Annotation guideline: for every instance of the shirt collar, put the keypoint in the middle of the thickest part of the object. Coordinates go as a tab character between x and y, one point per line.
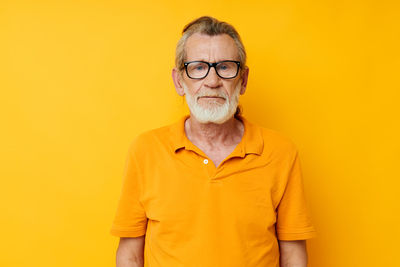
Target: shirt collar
252	141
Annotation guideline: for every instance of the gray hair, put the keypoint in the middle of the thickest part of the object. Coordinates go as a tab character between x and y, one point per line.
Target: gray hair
209	26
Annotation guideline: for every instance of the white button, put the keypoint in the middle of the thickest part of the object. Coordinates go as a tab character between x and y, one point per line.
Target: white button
205	161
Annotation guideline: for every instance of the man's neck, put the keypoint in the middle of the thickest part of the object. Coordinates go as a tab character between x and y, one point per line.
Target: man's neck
210	134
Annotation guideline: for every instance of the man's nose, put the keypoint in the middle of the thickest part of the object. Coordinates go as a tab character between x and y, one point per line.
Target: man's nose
212	80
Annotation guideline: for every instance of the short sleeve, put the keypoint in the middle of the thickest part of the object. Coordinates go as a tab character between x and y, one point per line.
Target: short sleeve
130	219
293	218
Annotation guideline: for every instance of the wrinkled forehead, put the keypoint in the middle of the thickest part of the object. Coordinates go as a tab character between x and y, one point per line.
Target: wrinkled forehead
211	48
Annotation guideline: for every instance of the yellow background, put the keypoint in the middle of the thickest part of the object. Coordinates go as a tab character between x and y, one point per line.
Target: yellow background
80	79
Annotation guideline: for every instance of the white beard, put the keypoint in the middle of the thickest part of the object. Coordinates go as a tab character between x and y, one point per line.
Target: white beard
214	112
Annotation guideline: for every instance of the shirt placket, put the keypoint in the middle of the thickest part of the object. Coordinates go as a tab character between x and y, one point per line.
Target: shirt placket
212	171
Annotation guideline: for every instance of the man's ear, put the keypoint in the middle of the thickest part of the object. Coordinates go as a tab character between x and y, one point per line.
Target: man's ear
245	76
177	78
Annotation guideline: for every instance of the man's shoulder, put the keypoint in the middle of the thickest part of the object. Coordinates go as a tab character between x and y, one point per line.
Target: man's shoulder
153	139
275	140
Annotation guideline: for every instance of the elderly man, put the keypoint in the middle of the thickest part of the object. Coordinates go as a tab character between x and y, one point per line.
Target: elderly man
212	189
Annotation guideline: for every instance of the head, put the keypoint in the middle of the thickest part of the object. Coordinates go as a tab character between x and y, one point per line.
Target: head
212	98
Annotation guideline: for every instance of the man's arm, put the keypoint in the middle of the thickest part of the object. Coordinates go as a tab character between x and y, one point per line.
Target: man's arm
130	252
293	253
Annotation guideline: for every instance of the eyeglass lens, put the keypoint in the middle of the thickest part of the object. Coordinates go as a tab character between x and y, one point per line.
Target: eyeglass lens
200	69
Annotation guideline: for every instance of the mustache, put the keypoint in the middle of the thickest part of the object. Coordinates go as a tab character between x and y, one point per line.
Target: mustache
211	94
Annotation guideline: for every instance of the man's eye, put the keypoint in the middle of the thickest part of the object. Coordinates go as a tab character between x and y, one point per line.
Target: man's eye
223	67
199	67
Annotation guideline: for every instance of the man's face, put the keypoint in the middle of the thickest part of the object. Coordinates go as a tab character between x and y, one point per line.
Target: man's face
211	99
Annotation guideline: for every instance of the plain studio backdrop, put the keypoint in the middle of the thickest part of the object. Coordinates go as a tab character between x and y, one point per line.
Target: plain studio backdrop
80	79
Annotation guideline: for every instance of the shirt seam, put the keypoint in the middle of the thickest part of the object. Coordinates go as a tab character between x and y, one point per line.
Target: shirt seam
306	230
140	181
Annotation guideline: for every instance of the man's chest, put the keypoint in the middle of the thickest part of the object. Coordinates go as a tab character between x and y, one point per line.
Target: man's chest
188	194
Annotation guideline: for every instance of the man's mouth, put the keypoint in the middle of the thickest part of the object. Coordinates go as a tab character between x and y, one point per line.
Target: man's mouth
211	97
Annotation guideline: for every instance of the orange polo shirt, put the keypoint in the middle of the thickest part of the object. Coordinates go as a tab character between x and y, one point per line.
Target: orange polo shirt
197	215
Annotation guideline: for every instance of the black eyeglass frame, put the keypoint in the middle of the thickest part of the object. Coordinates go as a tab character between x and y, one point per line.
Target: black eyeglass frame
212	65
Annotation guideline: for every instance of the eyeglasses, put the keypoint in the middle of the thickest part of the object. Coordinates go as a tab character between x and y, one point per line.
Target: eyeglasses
226	69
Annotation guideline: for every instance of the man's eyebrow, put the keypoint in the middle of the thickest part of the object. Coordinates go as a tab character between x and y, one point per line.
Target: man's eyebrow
234	59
